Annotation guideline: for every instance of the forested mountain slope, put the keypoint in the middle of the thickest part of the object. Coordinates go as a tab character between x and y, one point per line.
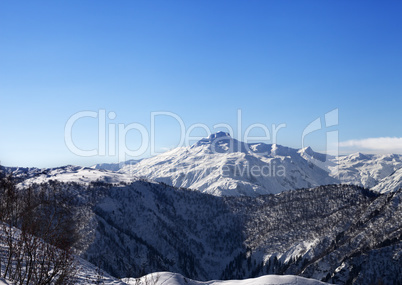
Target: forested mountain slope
335	233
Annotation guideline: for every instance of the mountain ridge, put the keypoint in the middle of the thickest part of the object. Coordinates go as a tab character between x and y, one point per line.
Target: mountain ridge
223	166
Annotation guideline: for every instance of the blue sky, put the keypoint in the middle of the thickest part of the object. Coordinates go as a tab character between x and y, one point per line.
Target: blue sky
279	62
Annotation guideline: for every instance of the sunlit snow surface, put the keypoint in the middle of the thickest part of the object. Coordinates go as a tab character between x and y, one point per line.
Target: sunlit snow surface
177	279
168	278
222	166
379	172
77	174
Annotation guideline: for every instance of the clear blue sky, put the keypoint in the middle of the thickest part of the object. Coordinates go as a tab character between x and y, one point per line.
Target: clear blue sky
278	61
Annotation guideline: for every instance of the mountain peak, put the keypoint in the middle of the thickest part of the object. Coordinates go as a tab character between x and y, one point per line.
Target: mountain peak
359	156
213	138
218	135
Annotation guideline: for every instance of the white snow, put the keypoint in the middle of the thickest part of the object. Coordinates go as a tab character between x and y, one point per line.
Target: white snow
222	166
366	170
304	248
77	174
4	282
390	183
164	278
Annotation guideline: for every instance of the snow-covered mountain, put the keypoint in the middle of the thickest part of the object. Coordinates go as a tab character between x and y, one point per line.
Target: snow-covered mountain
390	183
223	166
367	170
69	173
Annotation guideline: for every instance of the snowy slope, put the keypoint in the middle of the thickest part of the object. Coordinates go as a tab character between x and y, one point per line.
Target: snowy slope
390	183
76	174
366	170
86	273
177	279
4	282
222	166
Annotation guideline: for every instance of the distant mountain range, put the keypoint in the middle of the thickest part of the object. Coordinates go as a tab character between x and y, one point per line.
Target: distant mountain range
115	166
223	166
